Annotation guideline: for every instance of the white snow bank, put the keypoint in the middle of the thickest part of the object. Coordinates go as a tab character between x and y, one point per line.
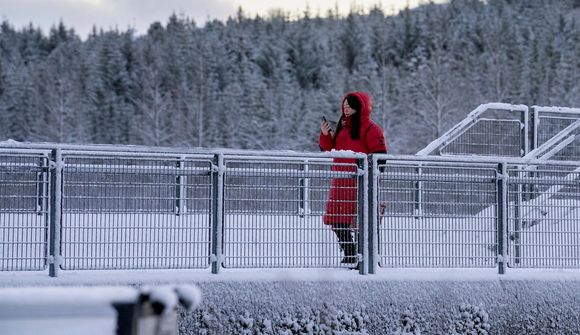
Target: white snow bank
66	295
176	277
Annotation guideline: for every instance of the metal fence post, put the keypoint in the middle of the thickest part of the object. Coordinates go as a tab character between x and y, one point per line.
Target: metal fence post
372	214
418	210
217	209
41	187
304	185
180	192
517	215
363	202
524	133
56	187
535	125
502	217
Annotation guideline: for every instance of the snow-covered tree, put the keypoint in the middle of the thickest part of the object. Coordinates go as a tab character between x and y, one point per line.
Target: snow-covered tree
264	83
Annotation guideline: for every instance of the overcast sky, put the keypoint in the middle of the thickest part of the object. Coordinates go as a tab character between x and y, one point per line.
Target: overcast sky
139	14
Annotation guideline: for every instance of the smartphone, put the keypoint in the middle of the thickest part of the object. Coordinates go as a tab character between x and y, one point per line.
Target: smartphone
325	120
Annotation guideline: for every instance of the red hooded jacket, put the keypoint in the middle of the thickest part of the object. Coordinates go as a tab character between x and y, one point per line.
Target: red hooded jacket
342	202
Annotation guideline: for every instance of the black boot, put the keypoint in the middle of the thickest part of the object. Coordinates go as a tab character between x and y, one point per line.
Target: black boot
346	242
349	253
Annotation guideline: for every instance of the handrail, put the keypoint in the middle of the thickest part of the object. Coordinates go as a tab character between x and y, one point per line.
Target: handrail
463	126
556	143
110	149
536	110
556	109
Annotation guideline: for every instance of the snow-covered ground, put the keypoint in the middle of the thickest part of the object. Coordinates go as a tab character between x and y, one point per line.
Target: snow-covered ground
548	238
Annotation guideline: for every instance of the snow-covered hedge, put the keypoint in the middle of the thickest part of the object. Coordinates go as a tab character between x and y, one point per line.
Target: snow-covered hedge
386	307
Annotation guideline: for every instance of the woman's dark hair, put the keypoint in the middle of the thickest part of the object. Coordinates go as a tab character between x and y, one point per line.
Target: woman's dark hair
355	104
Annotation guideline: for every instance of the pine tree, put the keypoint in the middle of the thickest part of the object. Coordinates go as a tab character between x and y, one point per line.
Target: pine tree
3	97
22	104
110	91
57	84
264	83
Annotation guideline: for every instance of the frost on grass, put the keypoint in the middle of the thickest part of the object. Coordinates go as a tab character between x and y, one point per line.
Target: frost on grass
247	324
472	320
327	320
407	324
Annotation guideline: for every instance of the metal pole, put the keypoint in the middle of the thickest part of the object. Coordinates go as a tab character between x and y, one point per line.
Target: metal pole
518	216
373	218
217	208
418	212
363	230
502	217
180	194
304	185
41	187
535	124
54	256
524	133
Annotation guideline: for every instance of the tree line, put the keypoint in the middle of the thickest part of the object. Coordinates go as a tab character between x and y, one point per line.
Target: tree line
264	82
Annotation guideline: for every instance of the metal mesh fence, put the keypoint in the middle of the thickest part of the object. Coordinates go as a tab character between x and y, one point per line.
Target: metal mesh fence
136	213
274	213
437	216
544	217
570	152
550	125
155	211
23	212
488	137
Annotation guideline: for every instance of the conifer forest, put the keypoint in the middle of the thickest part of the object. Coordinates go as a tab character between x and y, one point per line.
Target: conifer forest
265	82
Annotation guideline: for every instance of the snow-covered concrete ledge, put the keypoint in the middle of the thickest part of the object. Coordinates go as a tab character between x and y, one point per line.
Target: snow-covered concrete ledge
394	301
139	277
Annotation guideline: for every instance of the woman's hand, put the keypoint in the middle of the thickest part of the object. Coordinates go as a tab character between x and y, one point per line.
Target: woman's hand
325	128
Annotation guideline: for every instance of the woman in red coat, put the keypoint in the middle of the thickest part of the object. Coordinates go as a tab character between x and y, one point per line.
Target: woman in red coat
355	131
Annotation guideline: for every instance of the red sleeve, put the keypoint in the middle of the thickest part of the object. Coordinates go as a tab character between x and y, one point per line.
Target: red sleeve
375	140
325	142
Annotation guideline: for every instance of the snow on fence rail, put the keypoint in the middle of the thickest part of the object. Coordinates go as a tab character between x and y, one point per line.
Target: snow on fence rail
95	210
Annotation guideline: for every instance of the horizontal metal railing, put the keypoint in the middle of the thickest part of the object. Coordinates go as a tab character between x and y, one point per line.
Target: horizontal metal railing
492	129
74	209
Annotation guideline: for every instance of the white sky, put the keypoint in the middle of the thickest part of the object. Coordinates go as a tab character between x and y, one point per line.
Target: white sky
139	14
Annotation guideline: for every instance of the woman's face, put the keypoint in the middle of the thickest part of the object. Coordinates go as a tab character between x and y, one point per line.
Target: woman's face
348	111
